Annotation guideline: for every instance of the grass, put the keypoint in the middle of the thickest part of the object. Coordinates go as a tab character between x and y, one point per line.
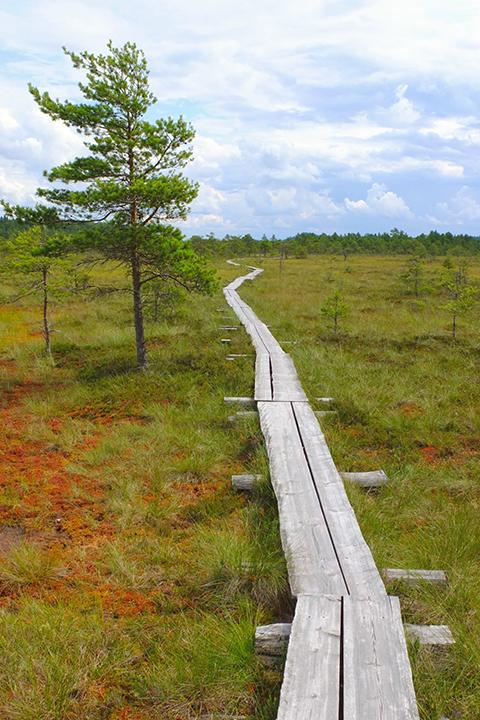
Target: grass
131	575
407	398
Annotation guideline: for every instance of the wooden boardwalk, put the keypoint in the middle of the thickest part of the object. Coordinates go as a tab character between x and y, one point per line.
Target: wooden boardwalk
347	656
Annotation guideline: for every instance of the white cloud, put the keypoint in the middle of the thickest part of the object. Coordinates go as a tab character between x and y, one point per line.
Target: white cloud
403	110
290	101
380	201
464	129
463	206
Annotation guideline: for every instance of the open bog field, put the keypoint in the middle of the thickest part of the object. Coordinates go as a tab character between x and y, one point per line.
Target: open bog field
131	575
407	399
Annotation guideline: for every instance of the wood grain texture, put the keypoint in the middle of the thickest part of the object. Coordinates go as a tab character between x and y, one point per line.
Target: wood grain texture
377	678
311	559
245	482
263	379
354	555
416	577
285	381
371	479
311	680
430	634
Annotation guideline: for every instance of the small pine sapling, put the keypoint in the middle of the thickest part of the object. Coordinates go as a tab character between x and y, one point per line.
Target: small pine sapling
413	276
334	309
462	294
39	265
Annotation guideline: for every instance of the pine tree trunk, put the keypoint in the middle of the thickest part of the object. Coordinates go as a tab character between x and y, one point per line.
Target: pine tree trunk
46	323
138	313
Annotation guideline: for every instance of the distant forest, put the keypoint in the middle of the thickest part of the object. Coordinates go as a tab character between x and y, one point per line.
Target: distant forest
395	242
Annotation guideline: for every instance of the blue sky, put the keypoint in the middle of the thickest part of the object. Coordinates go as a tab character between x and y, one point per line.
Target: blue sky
322	115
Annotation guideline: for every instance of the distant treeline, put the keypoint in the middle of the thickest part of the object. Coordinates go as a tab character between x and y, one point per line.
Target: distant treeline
395	242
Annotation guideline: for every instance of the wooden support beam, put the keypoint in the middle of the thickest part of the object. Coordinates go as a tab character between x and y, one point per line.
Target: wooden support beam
240	401
245	482
271	643
372	479
430	634
242	415
416	577
219	716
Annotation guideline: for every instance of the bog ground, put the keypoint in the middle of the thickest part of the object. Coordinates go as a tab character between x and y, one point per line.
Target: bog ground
132	576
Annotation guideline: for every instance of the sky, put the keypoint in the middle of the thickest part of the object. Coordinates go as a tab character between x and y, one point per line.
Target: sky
313	115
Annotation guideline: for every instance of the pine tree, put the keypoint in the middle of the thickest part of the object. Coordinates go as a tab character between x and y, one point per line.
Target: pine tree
130	184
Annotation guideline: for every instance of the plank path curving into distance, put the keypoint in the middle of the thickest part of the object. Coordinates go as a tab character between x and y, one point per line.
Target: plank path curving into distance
347	656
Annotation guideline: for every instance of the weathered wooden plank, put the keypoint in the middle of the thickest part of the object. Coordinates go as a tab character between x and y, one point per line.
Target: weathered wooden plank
372	479
233	356
416	577
242	400
228	327
354	556
285	381
377	679
325	399
242	415
311	678
312	562
325	413
271	642
245	482
225	341
263	380
430	634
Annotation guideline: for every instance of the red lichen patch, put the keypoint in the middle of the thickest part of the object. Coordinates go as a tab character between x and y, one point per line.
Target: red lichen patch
430	454
106	414
191	493
409	408
121	602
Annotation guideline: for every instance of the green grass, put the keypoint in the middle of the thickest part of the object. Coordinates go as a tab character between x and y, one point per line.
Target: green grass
407	398
132	576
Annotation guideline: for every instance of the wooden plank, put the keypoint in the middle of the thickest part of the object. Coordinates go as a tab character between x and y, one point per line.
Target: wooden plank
263	382
354	555
313	565
377	679
225	341
245	482
416	577
242	400
228	327
310	688
372	479
243	415
285	381
271	642
430	634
